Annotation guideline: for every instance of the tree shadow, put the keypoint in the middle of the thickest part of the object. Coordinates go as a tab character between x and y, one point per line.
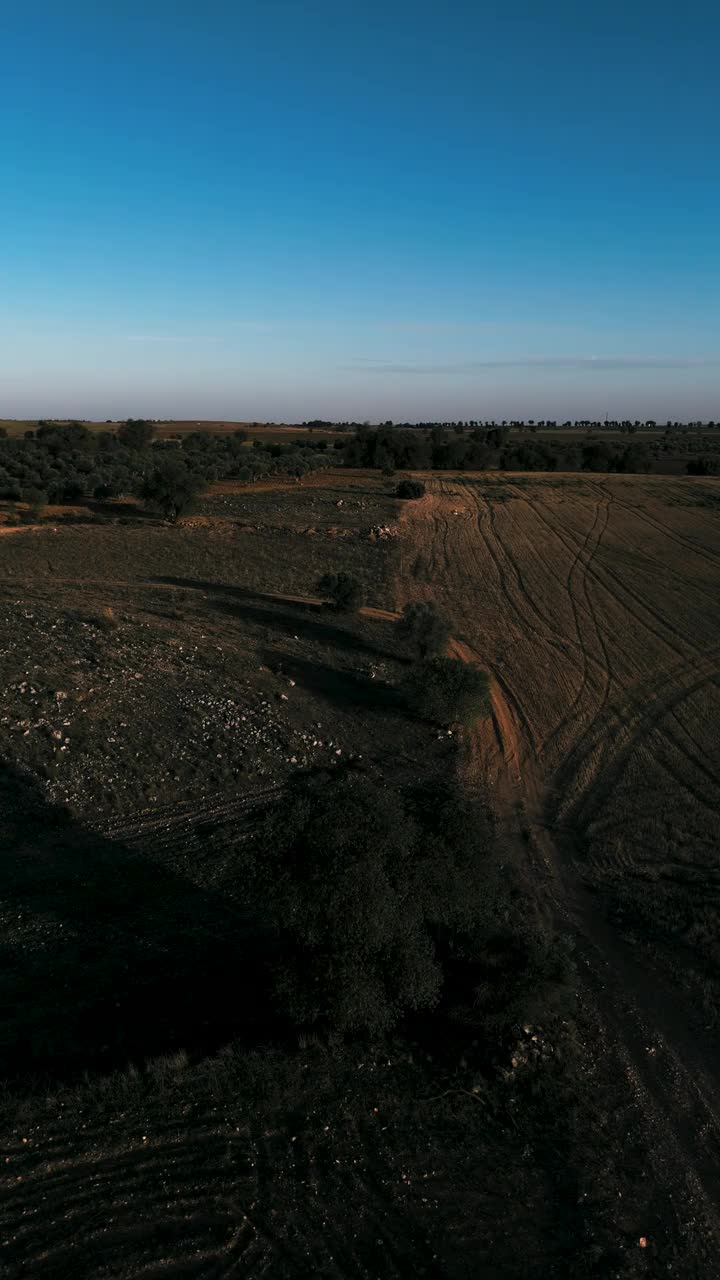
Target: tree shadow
114	509
306	619
109	957
346	689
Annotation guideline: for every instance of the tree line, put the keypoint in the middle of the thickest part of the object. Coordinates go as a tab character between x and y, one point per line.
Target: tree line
388	448
67	462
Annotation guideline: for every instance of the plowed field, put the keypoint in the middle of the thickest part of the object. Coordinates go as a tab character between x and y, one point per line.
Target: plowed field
594	604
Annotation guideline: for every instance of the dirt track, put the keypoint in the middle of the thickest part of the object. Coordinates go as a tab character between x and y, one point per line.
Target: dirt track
594	605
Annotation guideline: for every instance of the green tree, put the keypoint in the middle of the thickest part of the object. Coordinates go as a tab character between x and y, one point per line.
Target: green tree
447	691
171	488
344	592
423	630
36	499
136	433
361	884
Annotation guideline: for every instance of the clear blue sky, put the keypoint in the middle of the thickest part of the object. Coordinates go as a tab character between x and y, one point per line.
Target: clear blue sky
276	209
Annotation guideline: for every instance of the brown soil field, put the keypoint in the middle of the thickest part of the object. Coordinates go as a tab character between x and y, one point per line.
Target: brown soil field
593	602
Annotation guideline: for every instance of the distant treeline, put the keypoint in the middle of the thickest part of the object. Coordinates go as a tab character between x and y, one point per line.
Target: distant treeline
67	462
389	448
623	425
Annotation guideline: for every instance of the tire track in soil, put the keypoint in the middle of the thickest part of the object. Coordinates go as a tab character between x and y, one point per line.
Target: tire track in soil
511	602
671	534
588	549
665	530
135	1202
646	722
644	704
601	572
671	1074
465	650
658	617
602	663
424	521
141	1204
688	755
507	571
187	814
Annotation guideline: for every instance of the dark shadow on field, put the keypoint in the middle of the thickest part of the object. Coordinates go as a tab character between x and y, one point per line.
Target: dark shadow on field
117	510
108	957
307	620
101	511
346	689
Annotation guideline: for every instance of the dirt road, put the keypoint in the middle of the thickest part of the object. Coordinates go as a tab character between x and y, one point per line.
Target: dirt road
594	605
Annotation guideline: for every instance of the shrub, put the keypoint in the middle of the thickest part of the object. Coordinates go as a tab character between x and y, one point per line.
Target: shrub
136	433
703	466
103	620
423	630
171	488
360	883
344	592
447	691
72	490
410	489
36	500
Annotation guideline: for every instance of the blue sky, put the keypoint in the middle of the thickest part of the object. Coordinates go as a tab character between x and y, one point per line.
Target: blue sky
281	209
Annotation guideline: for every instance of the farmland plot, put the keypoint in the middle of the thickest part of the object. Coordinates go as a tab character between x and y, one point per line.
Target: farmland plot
594	604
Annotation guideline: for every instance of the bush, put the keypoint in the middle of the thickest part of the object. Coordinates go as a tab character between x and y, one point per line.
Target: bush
360	883
136	433
702	467
447	691
171	489
36	500
344	592
423	630
72	491
410	489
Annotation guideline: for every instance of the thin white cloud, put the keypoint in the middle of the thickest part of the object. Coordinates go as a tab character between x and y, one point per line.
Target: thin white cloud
433	326
588	363
171	338
442	326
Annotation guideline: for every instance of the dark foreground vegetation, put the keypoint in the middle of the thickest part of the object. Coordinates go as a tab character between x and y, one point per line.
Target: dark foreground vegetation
393	1018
